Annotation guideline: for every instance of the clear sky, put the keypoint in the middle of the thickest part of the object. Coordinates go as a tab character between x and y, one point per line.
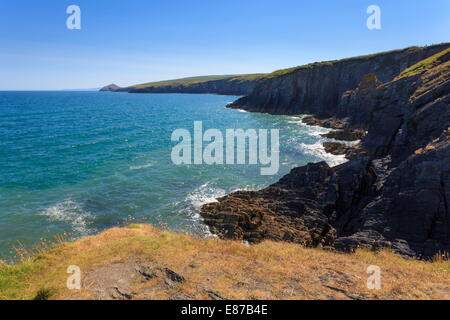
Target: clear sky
135	41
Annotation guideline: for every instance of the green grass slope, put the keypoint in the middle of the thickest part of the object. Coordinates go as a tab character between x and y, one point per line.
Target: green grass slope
283	72
195	80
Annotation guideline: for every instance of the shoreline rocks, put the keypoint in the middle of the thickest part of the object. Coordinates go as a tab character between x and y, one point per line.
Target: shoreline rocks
289	210
395	190
331	123
337	148
318	88
345	135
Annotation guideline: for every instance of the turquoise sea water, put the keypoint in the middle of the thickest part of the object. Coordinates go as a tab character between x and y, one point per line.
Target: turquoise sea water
80	162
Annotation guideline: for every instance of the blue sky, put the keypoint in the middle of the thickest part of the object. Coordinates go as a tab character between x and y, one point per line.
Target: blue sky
129	42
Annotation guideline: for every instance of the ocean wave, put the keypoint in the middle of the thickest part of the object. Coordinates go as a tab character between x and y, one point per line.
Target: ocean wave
147	165
200	196
189	209
71	213
193	202
317	150
347	143
203	195
206	194
295	120
315	131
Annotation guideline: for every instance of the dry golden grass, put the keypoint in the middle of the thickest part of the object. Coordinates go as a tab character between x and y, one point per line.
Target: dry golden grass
269	270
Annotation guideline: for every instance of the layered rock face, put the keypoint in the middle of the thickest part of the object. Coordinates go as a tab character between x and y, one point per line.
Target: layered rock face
394	193
226	85
293	209
235	87
112	87
317	88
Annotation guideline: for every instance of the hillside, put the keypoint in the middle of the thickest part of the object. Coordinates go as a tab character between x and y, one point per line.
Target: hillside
392	196
393	193
273	93
216	84
317	88
142	262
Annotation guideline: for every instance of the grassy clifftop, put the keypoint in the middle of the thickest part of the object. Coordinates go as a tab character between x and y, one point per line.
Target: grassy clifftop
243	84
244	77
196	80
283	72
142	262
426	64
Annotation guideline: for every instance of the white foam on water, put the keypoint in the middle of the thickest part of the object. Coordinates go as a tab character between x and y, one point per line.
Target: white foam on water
203	195
295	120
347	143
147	165
318	150
71	213
196	199
315	131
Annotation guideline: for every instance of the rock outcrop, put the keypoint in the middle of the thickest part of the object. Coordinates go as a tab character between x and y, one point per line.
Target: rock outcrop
317	88
112	87
293	209
337	148
394	193
345	135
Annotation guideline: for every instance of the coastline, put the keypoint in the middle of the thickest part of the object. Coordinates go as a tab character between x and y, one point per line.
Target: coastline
225	160
403	123
77	214
370	160
317	150
333	217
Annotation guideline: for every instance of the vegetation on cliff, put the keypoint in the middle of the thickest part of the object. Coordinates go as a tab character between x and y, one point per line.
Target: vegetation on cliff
243	84
283	72
188	81
142	262
426	64
394	194
389	195
207	82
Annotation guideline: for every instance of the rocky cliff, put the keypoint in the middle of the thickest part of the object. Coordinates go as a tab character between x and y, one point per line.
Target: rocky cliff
394	193
317	88
237	85
234	86
112	87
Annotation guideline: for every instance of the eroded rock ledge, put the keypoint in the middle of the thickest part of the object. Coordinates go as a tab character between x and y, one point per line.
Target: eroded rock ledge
345	135
293	209
394	193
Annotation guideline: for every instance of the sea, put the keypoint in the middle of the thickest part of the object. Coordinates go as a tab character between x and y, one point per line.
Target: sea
75	163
